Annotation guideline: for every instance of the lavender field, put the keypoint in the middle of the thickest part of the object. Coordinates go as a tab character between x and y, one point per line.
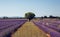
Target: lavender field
9	26
50	26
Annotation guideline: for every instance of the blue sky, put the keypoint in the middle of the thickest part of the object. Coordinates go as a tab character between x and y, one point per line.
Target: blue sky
18	8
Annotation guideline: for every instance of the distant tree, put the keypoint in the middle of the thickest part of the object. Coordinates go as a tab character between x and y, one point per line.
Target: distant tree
45	16
54	17
50	16
41	17
5	17
58	17
29	15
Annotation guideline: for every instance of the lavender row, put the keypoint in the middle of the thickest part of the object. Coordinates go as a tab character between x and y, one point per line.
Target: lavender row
10	24
11	28
51	25
48	30
3	23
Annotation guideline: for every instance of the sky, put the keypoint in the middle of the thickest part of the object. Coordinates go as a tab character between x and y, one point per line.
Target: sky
17	8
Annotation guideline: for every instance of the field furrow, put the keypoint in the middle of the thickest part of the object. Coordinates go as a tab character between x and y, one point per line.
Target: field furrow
29	30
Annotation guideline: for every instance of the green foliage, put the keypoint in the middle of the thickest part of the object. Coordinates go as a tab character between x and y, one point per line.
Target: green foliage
45	16
5	17
29	15
50	16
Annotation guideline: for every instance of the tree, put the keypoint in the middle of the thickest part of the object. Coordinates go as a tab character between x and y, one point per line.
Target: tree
45	16
5	17
41	17
29	15
50	16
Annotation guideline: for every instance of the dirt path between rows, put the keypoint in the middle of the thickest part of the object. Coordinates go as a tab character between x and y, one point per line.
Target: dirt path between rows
29	30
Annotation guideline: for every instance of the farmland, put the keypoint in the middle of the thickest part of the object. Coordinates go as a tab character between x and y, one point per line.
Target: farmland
51	27
29	30
29	18
34	28
8	26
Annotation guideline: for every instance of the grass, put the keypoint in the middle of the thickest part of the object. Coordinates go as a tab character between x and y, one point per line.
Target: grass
29	30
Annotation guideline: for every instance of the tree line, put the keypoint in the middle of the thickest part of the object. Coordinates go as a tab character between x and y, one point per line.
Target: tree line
29	15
